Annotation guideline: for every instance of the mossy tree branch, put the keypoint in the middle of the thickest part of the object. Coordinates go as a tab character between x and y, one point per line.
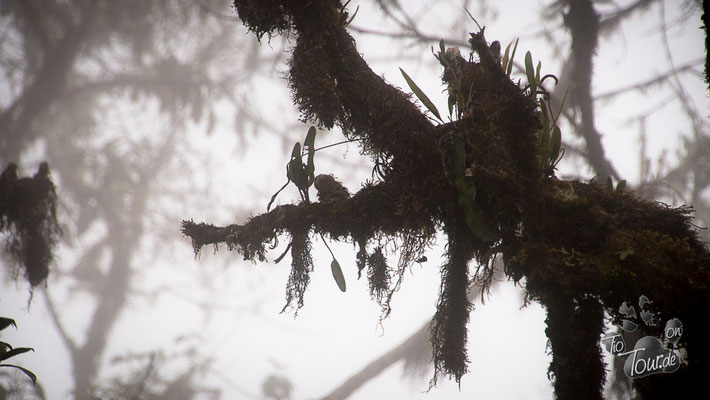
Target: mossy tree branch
565	238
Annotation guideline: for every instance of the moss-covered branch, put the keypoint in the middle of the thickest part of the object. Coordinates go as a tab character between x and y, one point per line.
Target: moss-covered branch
373	209
330	80
580	247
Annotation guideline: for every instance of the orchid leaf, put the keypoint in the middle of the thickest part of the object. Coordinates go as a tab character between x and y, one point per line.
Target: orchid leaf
421	96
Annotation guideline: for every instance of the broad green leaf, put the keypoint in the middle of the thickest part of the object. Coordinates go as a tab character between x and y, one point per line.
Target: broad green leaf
530	72
14	352
25	370
621	186
555	143
512	57
338	274
421	96
5	322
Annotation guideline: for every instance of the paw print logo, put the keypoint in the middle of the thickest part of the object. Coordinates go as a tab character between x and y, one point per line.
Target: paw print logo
649	355
628	312
648	317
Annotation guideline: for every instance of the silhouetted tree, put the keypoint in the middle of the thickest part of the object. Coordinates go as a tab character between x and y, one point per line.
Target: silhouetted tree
486	179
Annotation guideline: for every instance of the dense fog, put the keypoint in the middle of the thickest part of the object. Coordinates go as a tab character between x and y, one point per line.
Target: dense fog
149	113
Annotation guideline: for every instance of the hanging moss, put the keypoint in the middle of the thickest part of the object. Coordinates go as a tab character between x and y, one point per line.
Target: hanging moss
28	215
301	267
448	327
378	275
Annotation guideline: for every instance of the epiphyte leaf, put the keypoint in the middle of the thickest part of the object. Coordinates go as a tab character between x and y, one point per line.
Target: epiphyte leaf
421	96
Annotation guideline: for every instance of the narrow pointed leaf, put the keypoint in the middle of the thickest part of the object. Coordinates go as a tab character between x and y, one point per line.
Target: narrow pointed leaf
512	57
506	54
609	184
530	71
421	96
338	274
537	72
25	370
469	99
5	322
14	352
473	19
460	102
309	143
353	17
562	105
268	206
621	186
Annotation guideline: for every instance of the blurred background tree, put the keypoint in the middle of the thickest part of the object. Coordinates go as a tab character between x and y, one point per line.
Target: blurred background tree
113	95
141	107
